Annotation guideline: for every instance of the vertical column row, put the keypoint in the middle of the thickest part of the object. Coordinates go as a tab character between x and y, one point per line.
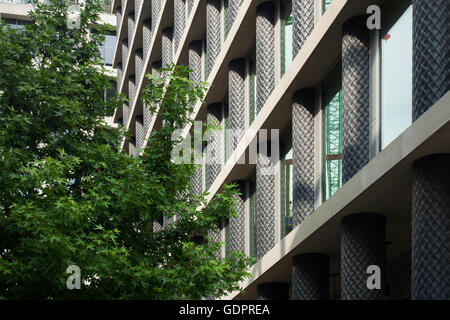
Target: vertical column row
212	33
430	236
179	21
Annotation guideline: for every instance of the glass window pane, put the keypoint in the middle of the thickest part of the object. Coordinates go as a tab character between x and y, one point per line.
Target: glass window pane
396	74
285	35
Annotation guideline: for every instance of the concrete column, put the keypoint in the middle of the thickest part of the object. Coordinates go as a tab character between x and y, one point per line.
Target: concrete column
124	53
195	64
355	96
362	245
311	277
139	63
265	203
431	53
131	25
265	52
212	33
140	134
118	18
131	88
137	7
214	144
179	21
272	291
233	10
236	103
303	154
236	226
147	37
195	61
302	23
119	75
156	7
125	112
167	49
430	235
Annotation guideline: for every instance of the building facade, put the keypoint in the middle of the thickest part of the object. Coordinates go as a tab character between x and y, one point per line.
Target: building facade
344	127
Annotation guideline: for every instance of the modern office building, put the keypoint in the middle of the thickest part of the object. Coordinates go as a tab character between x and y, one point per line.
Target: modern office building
15	14
351	197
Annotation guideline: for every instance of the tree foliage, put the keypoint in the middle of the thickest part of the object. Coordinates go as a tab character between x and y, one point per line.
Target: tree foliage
68	197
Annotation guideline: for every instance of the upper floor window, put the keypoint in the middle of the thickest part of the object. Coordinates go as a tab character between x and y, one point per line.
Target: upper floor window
108	47
285	34
332	131
15	23
396	78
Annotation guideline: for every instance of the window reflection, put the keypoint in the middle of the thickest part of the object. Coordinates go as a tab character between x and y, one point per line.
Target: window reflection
396	74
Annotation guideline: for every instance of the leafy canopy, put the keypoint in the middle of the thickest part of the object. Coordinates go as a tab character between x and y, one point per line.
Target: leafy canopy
68	197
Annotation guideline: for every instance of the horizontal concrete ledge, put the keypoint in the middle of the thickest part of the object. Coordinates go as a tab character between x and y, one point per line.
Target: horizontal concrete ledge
384	185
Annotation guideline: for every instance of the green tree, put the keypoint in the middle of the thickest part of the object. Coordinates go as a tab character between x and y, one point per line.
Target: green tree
68	197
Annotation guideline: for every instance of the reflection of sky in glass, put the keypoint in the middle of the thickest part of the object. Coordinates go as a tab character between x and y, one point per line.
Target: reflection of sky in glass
396	84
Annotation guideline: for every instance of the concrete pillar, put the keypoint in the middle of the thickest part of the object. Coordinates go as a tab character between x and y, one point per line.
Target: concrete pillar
124	53
265	203
265	52
303	154
195	61
137	7
119	75
167	49
236	226
311	277
146	37
430	235
195	64
131	89
118	18
179	21
302	23
156	7
362	245
272	291
139	63
125	112
131	25
431	53
212	33
139	131
233	10
214	144
355	96
236	103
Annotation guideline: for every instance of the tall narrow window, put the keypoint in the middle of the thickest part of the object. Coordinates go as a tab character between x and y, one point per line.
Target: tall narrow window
396	75
332	125
226	17
286	172
252	214
252	85
285	34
